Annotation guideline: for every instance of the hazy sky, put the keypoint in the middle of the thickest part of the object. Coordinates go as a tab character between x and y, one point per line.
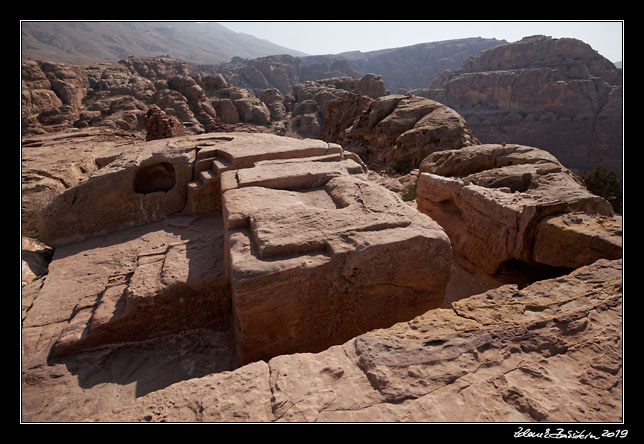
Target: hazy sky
332	37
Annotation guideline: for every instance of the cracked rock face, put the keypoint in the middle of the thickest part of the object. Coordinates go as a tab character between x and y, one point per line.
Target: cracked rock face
559	94
270	245
245	277
549	352
507	205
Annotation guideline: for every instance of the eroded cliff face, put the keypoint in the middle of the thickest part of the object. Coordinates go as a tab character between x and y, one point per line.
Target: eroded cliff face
231	276
556	94
514	214
235	276
128	95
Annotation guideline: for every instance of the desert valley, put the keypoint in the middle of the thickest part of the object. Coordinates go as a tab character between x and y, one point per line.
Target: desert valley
430	233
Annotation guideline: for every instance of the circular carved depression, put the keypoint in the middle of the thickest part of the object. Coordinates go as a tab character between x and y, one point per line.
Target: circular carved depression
153	178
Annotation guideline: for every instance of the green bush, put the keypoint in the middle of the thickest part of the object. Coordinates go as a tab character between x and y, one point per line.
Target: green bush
408	194
604	183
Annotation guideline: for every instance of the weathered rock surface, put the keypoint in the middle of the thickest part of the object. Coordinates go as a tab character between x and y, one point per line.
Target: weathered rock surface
317	265
407	67
401	130
35	257
120	95
507	205
133	285
555	94
272	245
291	211
58	97
551	352
346	97
158	125
54	162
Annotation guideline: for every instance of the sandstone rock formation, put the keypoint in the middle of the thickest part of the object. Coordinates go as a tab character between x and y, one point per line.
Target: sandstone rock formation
407	67
54	162
346	96
35	257
414	66
158	125
551	352
119	94
206	271
555	94
313	268
511	207
191	278
272	245
399	131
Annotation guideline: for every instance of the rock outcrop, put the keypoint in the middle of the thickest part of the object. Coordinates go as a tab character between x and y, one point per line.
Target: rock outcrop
415	66
272	245
313	268
244	277
121	95
59	97
35	257
228	259
398	131
511	211
555	94
54	162
551	352
406	67
347	97
158	125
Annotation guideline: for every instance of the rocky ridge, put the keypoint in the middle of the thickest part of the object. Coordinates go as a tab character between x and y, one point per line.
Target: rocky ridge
407	67
86	42
258	257
556	94
211	264
499	356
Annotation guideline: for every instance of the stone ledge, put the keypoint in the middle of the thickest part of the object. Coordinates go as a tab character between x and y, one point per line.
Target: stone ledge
549	352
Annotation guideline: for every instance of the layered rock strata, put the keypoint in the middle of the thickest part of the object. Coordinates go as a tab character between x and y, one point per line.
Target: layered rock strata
555	94
399	131
505	206
282	245
283	238
551	352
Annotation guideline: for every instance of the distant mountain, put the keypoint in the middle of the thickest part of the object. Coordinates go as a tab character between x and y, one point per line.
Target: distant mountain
85	42
558	94
414	66
408	67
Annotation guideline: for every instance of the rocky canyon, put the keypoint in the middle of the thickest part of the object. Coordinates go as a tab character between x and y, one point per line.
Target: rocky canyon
558	94
199	249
